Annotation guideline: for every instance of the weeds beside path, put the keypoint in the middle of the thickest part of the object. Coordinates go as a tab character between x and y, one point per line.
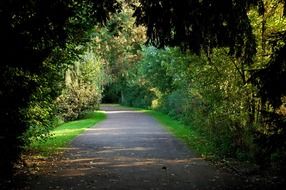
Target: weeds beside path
130	150
62	135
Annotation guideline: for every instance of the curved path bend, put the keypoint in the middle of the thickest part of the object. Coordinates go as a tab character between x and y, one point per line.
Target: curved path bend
131	150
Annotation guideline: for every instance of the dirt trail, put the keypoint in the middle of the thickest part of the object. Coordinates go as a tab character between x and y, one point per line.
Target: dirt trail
130	150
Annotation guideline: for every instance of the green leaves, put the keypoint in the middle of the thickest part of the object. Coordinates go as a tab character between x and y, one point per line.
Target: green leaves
84	86
199	25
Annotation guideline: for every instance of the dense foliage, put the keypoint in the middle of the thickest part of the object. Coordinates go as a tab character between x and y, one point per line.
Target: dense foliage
84	86
205	24
209	96
200	24
231	88
30	32
220	69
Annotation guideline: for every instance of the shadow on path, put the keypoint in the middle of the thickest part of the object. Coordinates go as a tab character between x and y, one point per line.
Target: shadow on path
130	150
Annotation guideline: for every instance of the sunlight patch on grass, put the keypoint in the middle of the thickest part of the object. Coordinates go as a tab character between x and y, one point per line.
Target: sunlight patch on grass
65	133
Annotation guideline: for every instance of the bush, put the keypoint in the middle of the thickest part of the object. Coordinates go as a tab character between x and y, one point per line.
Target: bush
40	113
76	100
137	96
206	93
40	118
84	87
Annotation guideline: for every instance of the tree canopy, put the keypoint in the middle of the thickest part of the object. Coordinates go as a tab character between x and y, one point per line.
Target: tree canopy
200	24
197	25
30	32
239	53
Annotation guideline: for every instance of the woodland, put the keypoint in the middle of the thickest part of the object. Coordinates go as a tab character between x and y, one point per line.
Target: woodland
217	66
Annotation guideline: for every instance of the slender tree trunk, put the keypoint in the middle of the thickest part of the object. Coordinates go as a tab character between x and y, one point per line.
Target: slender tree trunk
122	96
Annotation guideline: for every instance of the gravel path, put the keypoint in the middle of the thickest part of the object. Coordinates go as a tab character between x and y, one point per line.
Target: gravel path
130	150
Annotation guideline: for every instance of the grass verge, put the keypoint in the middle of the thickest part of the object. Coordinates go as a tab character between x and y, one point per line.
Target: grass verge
65	133
192	137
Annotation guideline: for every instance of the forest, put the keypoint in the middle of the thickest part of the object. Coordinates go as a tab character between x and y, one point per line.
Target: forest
219	67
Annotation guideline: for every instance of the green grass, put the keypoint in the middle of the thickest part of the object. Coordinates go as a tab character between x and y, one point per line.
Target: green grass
65	133
192	137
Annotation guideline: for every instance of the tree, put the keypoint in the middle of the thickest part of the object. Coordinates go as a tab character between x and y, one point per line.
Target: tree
200	24
30	31
83	86
204	25
119	44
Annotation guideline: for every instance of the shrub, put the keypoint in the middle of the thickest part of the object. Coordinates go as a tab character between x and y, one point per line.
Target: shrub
84	87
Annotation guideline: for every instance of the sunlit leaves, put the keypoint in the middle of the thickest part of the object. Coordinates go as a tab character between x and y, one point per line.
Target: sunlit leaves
30	32
84	85
265	28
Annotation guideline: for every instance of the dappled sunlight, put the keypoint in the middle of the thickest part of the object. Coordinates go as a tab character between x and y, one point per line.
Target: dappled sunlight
137	153
102	129
85	165
128	150
112	150
113	131
119	133
72	173
68	148
117	129
122	111
113	158
65	133
78	160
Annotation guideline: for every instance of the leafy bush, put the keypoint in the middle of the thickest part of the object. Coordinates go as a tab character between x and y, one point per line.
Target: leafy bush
40	118
76	100
84	86
40	112
204	92
143	96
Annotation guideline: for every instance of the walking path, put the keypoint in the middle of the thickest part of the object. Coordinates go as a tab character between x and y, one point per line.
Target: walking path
130	150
